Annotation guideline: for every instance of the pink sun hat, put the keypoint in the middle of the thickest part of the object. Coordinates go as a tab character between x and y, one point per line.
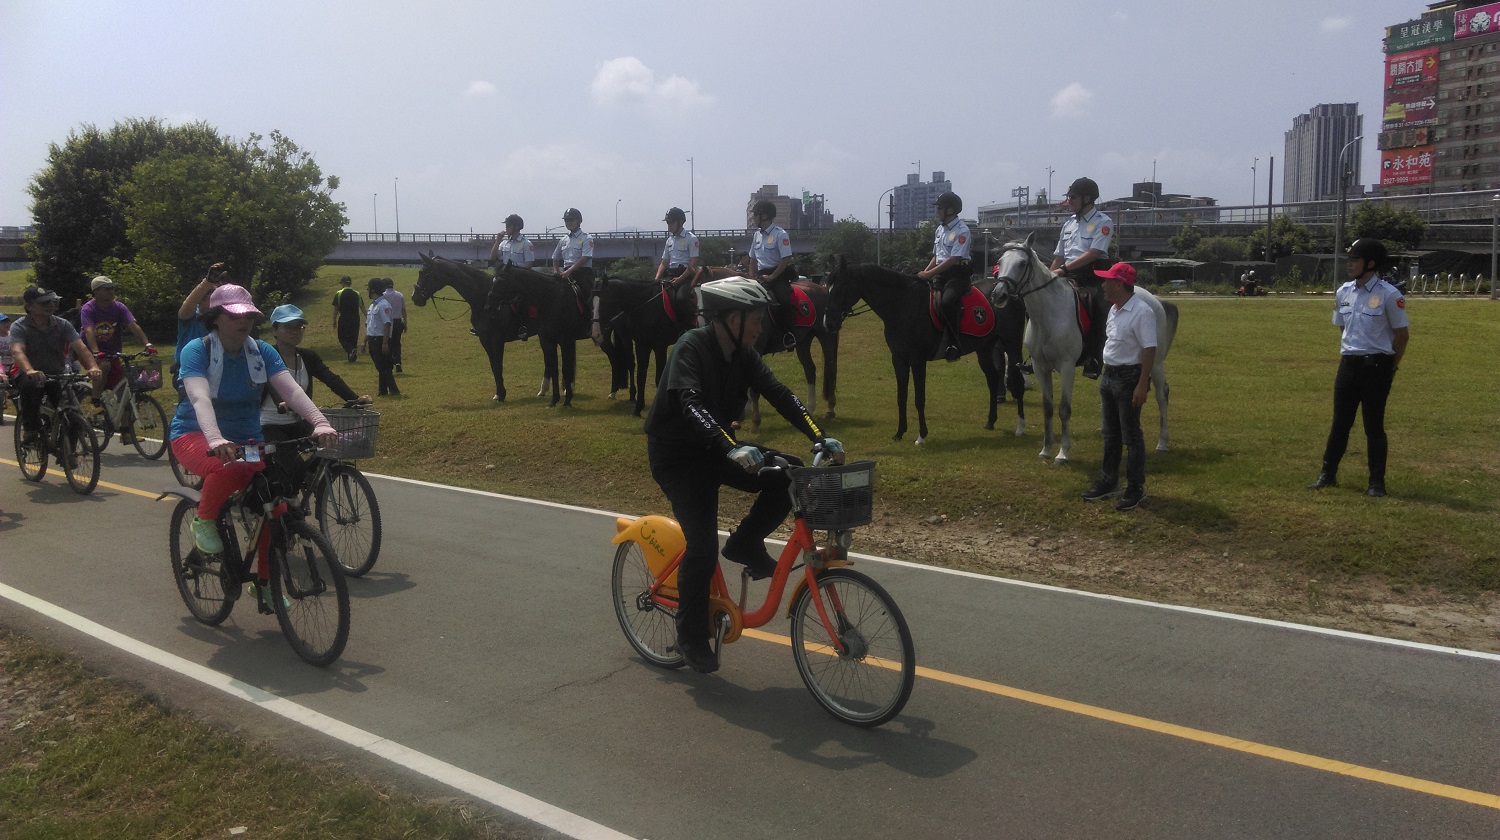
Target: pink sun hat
234	299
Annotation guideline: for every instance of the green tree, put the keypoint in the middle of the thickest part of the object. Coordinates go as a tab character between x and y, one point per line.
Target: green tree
1219	249
150	290
908	251
75	199
1401	229
849	238
1186	240
1287	237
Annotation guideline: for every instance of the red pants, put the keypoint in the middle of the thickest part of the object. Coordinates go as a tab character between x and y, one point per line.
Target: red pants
220	480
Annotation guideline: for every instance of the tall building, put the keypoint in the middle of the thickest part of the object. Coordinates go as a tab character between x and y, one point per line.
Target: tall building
1312	152
803	213
913	200
1440	127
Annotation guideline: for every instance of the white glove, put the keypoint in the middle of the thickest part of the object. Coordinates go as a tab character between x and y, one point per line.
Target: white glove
748	457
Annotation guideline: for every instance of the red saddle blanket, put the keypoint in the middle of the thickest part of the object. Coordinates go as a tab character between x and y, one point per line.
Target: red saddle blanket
804	314
976	316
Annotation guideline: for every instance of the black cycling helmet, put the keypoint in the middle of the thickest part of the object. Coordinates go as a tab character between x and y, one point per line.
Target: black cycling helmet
764	208
1369	249
1084	188
572	213
676	215
513	219
950	199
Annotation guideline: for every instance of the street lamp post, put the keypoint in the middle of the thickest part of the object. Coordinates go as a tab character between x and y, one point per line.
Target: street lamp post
617	214
1494	245
878	202
1050	200
1253	163
396	187
375	211
692	189
1338	231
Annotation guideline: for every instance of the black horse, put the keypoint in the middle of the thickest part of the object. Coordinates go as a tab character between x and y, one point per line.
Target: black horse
494	329
901	301
652	314
562	319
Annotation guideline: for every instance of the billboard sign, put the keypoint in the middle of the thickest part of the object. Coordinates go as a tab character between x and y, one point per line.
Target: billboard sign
1410	106
1422	32
1480	20
1412	68
1406	167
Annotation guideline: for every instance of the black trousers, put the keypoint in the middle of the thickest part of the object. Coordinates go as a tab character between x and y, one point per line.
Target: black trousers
398	329
691	479
1362	385
30	401
1091	289
1121	424
954	284
385	365
349	333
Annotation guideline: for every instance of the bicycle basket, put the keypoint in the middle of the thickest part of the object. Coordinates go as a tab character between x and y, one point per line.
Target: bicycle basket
356	430
836	498
145	374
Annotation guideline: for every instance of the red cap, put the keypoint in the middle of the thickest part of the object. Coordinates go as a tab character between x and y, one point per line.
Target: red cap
1124	272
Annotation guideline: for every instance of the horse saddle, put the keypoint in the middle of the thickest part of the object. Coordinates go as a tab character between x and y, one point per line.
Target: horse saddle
975	315
1084	319
804	314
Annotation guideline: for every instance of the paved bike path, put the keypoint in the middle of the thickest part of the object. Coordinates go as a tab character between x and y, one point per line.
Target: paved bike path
485	639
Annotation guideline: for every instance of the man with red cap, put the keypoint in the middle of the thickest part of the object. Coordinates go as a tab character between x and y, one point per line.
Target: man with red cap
1129	354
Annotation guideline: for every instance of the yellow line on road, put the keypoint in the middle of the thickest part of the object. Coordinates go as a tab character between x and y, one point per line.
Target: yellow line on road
1327	765
106	484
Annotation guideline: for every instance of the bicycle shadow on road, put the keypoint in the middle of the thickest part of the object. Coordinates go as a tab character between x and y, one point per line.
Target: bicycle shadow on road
378	584
257	654
45	493
800	729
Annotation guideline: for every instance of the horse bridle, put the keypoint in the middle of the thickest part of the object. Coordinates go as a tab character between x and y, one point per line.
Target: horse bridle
435	298
1019	283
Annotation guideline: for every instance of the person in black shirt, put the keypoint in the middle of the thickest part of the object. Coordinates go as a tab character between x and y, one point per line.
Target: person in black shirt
691	445
348	316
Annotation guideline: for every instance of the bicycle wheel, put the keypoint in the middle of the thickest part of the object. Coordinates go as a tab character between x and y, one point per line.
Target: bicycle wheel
150	427
97	418
32	458
79	454
869	682
205	582
184	477
649	627
349	517
309	594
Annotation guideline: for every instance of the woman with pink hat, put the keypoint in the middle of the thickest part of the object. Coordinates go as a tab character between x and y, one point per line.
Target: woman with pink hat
225	375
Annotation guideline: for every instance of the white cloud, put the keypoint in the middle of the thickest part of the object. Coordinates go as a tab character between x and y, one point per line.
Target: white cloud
625	80
480	88
1336	24
1071	101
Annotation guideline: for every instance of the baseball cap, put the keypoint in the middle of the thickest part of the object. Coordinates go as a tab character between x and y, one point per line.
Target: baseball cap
37	294
287	314
234	299
101	282
1124	272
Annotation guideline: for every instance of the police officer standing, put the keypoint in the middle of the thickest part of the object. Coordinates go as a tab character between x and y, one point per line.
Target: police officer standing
573	259
1372	314
771	250
1084	241
948	270
680	255
511	248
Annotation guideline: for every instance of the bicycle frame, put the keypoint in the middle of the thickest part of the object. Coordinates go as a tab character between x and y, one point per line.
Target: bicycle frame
124	394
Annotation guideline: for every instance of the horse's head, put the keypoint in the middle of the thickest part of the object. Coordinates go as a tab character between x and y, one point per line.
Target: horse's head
1020	270
502	290
843	292
426	286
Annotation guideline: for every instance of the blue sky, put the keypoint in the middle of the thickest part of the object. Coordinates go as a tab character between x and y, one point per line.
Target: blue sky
474	110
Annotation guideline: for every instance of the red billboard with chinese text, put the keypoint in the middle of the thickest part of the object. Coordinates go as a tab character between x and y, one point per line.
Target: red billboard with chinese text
1406	167
1412	68
1479	20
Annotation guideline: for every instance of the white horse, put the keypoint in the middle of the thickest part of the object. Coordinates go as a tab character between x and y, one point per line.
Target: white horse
1054	340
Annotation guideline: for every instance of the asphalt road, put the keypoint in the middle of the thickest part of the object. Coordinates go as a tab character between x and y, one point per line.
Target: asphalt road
484	640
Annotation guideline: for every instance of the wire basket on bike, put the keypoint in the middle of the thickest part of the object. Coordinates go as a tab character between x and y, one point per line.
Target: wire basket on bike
145	374
836	498
356	429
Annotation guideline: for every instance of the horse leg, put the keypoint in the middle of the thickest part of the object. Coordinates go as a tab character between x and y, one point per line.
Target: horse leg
642	360
495	350
830	343
987	364
1159	381
919	385
754	410
1065	413
1044	379
903	373
569	370
809	371
1016	382
549	369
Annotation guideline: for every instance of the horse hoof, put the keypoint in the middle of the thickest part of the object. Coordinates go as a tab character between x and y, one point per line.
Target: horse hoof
989	427
1061	460
828	415
921	441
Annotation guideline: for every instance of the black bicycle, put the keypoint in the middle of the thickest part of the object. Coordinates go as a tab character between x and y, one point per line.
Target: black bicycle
65	435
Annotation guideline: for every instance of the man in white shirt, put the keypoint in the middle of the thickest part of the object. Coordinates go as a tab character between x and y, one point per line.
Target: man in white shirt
1129	354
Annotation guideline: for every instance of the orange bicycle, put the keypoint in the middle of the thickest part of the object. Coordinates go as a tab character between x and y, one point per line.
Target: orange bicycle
849	640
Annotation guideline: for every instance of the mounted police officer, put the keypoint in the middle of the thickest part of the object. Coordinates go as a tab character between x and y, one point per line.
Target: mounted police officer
771	250
680	255
1083	243
948	270
1372	314
573	258
511	248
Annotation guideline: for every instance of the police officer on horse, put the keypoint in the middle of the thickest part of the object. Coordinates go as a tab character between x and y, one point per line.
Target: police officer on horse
948	270
771	250
1083	243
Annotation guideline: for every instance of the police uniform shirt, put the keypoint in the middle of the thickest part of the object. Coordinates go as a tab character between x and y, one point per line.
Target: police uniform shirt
518	251
680	249
951	240
377	317
1370	316
769	247
1129	329
573	247
1093	231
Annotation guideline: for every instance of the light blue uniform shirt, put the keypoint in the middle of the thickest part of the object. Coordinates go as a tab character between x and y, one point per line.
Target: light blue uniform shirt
574	247
770	246
1093	231
951	240
518	251
1370	317
680	249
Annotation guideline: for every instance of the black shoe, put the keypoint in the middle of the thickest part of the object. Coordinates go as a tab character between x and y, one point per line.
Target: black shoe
1324	479
1100	490
1132	498
1090	369
1377	489
351	357
756	560
1027	369
698	655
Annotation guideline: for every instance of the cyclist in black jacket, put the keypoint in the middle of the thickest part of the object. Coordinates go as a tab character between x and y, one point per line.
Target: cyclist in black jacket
691	444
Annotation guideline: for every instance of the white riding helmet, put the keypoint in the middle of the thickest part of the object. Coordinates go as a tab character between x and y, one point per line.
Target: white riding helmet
737	294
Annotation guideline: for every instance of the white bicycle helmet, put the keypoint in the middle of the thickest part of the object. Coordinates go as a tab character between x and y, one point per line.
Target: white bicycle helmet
736	294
